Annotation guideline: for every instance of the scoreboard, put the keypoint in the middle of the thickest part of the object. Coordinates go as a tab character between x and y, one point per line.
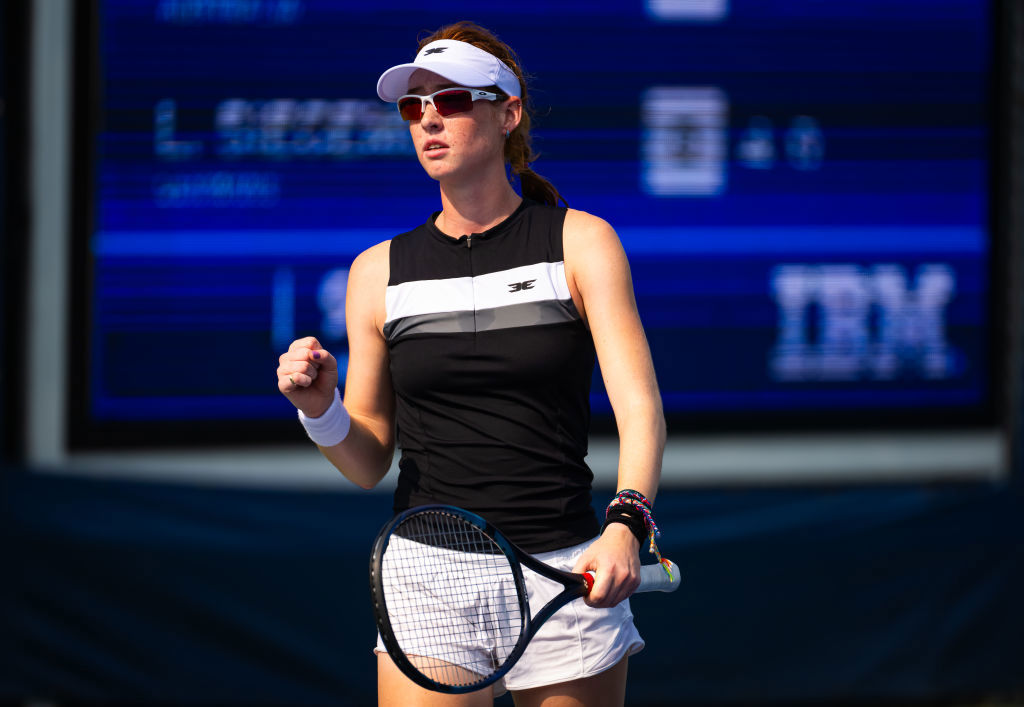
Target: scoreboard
802	187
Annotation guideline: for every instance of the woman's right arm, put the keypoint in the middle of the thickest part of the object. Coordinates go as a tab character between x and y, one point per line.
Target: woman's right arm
308	375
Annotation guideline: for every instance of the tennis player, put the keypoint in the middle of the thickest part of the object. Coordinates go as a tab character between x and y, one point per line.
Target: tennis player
475	335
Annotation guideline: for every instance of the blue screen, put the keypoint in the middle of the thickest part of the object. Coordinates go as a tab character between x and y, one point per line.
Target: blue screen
802	189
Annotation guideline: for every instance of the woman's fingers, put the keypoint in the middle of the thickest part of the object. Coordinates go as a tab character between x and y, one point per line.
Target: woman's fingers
301	364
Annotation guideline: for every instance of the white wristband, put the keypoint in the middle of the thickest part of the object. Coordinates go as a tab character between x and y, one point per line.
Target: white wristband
330	428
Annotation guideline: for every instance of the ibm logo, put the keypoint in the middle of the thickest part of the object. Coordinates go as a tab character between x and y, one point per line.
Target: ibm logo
847	322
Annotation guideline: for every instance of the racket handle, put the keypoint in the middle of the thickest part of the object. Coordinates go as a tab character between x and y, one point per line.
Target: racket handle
653	578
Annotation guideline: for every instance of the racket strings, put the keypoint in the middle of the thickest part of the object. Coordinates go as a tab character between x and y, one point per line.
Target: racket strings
452	598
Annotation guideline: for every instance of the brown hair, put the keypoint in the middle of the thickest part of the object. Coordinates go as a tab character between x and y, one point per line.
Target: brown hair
518	150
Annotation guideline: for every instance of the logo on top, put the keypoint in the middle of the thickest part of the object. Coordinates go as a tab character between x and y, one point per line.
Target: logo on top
435	50
520	286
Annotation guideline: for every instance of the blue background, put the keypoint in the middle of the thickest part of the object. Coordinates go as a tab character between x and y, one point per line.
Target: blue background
899	96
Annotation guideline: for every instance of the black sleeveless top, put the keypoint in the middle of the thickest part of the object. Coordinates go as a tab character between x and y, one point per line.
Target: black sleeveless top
491	366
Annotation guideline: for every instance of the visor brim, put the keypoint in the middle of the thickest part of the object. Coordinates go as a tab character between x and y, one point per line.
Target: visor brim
394	83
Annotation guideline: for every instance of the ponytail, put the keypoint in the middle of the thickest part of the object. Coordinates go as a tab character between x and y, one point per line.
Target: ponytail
519	154
535	187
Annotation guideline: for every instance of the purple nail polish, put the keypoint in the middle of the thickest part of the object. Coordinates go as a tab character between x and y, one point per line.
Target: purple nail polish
316	355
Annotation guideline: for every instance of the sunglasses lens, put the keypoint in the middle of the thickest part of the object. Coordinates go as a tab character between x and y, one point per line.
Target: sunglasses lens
457	100
410	109
450	102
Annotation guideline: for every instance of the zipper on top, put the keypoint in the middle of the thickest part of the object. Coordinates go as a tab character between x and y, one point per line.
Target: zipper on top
472	274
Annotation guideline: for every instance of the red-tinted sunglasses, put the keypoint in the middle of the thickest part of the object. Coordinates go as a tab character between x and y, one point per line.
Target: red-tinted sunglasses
447	101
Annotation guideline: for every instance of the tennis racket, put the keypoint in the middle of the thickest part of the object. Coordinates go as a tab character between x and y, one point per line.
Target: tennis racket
450	599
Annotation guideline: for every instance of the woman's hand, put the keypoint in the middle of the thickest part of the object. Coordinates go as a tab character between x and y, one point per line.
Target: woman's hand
614	558
307	375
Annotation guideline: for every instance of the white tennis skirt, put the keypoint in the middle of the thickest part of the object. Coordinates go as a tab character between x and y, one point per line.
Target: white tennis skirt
576	642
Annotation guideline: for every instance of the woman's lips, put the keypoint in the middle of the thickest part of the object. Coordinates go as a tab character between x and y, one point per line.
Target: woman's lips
435	148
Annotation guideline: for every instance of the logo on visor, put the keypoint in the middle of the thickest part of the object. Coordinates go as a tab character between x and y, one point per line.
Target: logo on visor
435	50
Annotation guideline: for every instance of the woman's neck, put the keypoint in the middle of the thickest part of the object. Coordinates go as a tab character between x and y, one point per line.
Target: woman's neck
476	207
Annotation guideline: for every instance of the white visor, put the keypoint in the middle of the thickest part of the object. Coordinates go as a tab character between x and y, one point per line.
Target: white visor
459	62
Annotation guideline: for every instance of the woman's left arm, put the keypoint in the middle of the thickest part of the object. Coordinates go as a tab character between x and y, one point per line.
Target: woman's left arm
598	275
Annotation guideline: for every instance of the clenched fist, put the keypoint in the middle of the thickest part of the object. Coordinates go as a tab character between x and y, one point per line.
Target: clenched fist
307	374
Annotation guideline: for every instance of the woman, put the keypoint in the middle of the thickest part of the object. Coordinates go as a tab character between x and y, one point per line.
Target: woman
475	335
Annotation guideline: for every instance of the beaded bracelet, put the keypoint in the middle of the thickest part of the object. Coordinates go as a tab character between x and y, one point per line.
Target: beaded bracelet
635	499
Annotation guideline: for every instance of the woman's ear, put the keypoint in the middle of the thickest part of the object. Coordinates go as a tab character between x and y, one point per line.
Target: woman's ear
513	113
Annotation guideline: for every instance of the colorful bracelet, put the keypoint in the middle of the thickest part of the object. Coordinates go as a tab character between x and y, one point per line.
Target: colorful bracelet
635	499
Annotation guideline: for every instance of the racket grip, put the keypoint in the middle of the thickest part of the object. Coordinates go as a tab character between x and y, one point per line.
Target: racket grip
653	578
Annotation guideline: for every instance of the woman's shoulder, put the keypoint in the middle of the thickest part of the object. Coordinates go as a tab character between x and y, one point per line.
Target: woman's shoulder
581	225
372	265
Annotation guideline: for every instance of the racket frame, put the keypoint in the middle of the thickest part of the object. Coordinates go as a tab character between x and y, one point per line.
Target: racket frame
575	587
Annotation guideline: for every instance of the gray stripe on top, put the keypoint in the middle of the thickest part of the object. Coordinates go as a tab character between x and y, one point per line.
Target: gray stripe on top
515	315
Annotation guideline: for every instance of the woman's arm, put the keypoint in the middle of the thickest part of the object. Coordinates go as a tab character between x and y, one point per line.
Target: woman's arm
599	277
308	376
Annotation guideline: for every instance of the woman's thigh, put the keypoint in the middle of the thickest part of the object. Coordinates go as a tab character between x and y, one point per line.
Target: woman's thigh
607	689
394	689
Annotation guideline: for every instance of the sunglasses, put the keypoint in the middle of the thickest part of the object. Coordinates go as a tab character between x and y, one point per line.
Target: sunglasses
447	101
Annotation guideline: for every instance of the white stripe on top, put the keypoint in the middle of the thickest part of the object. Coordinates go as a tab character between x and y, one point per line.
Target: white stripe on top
528	283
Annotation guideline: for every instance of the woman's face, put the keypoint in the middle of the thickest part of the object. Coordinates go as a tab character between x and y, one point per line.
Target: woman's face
463	144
